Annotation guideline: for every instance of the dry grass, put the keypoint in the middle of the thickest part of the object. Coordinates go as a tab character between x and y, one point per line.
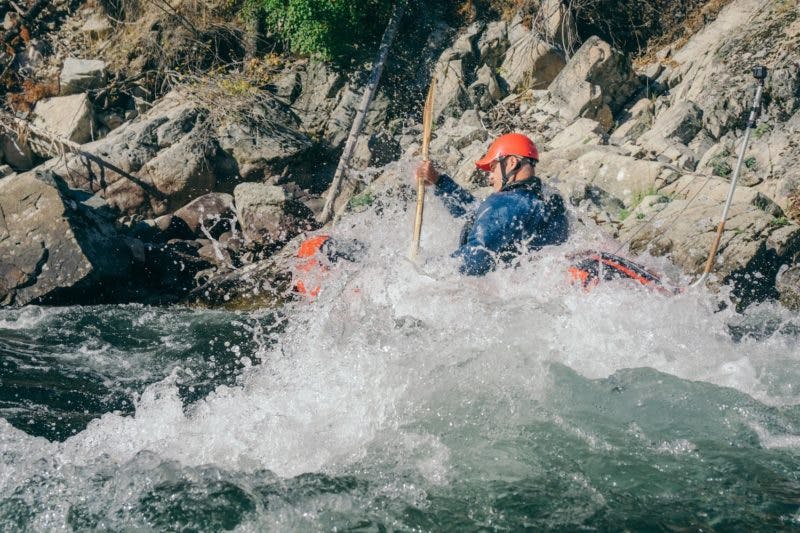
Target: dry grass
32	92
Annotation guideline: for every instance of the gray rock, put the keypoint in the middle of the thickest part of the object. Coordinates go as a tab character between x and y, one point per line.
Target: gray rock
485	91
493	43
753	244
267	215
212	212
583	131
69	117
80	75
559	25
624	177
374	150
595	83
450	97
787	283
260	149
53	248
681	122
17	154
531	63
634	121
181	172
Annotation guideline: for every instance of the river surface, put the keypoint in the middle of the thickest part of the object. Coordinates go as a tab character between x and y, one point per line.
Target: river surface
406	397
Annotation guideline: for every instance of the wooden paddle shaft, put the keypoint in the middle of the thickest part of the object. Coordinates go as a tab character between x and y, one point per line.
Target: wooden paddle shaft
427	124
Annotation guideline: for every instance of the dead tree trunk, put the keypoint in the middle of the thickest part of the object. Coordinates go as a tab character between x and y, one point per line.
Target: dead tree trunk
358	121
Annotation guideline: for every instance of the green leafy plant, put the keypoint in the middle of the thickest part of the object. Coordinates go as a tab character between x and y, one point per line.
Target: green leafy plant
623	214
719	164
751	163
325	29
761	130
364	199
778	222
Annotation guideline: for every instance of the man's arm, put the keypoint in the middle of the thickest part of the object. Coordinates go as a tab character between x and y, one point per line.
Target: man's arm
454	197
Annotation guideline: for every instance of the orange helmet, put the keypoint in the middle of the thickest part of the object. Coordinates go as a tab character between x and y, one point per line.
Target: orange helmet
505	145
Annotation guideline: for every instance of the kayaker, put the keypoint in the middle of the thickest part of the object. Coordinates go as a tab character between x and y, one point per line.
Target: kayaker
521	215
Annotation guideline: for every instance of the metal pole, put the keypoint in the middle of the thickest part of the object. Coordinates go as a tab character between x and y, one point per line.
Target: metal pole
760	73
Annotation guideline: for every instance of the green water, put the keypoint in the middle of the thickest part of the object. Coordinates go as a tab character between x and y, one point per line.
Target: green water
638	450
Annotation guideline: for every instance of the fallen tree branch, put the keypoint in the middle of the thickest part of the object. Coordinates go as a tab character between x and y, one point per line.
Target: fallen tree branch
358	121
59	146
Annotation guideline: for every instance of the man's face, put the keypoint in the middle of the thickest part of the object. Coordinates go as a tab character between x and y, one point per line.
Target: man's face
496	175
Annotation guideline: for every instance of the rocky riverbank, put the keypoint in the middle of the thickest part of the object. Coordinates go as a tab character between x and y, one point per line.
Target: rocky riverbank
199	195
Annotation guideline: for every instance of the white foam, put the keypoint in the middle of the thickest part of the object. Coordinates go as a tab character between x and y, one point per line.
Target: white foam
385	346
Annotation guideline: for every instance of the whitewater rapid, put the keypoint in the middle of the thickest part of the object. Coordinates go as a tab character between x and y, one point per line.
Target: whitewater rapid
412	374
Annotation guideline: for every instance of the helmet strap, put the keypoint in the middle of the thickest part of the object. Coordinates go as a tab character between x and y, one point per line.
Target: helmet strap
507	177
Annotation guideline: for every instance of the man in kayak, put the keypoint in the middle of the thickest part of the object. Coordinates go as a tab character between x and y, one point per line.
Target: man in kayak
519	216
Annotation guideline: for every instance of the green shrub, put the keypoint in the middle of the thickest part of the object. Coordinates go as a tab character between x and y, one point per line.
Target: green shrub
761	130
719	164
325	29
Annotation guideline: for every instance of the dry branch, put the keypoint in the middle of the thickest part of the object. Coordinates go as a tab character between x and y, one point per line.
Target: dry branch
59	146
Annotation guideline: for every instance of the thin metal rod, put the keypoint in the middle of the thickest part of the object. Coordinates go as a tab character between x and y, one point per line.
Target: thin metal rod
724	217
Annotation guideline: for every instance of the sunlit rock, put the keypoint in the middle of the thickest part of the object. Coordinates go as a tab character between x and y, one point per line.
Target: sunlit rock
595	83
80	75
68	117
531	63
268	215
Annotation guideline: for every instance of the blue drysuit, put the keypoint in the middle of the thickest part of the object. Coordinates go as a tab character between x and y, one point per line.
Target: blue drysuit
507	223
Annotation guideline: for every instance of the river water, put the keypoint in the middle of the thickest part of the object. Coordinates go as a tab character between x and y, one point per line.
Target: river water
406	397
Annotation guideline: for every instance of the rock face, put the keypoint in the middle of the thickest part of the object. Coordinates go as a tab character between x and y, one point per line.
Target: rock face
263	144
531	63
212	213
595	84
54	249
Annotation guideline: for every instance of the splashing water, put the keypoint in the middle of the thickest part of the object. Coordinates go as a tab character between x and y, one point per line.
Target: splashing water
407	397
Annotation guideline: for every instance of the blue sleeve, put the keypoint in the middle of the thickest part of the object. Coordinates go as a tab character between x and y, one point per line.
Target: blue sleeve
455	197
497	225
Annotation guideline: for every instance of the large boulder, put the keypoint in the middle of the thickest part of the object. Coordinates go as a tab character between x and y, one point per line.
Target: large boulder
531	63
605	168
54	248
595	83
170	152
265	141
493	44
268	216
69	117
80	75
329	100
181	173
485	91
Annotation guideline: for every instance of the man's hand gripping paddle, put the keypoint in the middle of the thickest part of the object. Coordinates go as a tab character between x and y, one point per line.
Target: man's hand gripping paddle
427	123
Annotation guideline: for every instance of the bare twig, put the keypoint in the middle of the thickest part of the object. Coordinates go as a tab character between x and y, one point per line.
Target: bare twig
57	145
